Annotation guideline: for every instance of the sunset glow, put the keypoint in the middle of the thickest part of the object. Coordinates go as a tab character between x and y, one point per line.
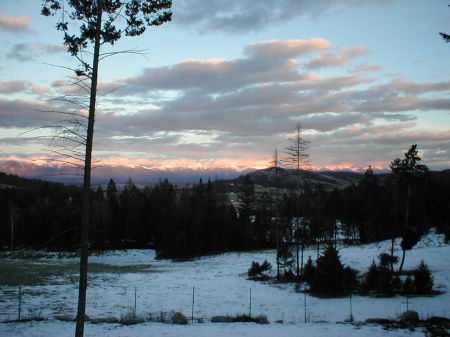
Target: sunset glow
215	94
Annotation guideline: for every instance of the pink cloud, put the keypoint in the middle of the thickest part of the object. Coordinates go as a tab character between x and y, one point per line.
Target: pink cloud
16	86
368	67
13	86
235	164
287	48
14	24
345	56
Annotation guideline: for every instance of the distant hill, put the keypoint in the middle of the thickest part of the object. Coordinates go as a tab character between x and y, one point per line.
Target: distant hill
121	174
287	178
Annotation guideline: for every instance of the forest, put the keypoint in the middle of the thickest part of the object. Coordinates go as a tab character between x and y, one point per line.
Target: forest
181	222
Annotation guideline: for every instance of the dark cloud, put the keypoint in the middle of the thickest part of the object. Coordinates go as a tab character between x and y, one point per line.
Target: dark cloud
30	51
17	86
26	113
233	16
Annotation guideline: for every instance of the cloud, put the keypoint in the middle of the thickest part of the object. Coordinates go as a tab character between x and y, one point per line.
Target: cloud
13	86
368	67
26	113
200	110
14	24
17	86
237	16
30	51
286	48
79	86
345	56
213	74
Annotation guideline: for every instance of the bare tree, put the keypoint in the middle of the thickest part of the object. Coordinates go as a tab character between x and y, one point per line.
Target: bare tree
98	22
297	158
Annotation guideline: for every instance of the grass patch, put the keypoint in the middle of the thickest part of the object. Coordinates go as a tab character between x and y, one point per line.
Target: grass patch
242	318
31	273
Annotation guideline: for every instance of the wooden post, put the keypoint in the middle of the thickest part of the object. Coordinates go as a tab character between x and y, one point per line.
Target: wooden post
250	308
20	302
193	302
304	300
135	292
351	309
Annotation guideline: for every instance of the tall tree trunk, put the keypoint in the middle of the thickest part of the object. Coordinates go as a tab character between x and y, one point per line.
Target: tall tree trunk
394	225
408	197
297	246
392	253
278	257
84	249
12	215
403	260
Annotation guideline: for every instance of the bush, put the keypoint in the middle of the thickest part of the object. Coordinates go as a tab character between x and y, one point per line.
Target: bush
379	278
258	270
407	288
131	318
179	318
386	259
423	281
261	319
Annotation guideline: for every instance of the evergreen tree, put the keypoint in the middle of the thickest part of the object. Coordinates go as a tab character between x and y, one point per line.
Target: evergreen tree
246	207
330	277
408	170
423	281
98	25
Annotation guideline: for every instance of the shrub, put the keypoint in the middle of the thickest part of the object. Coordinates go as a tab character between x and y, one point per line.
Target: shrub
261	319
423	281
179	318
407	286
257	270
131	318
386	259
379	278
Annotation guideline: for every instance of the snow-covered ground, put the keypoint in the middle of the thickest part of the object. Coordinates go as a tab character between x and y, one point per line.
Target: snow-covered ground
221	288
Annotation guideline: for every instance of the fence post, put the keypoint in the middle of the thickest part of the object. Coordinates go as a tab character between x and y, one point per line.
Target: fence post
20	302
135	296
193	302
250	307
304	298
351	309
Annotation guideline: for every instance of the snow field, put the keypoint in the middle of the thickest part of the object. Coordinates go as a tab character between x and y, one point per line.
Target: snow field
221	288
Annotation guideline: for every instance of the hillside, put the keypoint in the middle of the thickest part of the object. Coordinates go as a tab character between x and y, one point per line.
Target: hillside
221	288
286	178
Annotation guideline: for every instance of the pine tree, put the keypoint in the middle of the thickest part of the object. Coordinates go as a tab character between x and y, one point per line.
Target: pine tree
423	281
246	198
98	25
407	171
330	277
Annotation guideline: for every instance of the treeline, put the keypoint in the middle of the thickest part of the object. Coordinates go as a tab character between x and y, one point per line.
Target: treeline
177	222
200	219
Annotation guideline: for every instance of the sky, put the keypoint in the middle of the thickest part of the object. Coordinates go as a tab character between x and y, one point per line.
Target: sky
226	82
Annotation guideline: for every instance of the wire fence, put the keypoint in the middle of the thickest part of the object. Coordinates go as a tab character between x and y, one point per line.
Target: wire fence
21	304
